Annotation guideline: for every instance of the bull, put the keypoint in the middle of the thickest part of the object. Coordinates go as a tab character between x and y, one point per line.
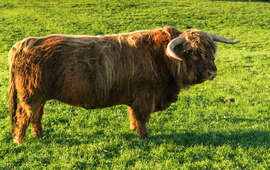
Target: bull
144	70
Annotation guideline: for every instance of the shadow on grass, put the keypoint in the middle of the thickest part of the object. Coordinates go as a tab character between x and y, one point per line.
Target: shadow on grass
237	120
71	140
251	138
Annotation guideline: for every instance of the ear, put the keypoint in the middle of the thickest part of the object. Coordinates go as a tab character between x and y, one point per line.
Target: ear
170	51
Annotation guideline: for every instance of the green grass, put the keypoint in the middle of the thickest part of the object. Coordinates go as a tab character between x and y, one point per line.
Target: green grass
199	131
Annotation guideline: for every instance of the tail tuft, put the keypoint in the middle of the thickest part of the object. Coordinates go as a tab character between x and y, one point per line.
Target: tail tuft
12	90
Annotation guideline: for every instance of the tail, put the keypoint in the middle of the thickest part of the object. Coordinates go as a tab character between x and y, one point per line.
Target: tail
12	89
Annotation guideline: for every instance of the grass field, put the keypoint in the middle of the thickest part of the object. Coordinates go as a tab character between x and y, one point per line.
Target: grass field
199	131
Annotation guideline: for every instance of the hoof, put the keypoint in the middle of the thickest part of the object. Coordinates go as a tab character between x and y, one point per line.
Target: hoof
143	135
17	141
37	134
133	127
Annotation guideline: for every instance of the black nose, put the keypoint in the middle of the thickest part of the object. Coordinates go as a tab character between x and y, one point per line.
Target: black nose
214	68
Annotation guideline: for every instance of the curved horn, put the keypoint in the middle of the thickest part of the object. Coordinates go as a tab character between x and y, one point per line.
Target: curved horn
171	45
221	39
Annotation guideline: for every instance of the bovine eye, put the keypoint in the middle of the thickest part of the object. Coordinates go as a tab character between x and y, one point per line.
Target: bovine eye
195	58
203	56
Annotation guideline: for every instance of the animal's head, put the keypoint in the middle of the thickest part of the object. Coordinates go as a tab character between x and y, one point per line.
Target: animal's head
196	51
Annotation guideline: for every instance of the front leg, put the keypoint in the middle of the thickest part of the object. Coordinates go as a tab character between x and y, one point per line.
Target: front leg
138	122
139	113
133	121
141	129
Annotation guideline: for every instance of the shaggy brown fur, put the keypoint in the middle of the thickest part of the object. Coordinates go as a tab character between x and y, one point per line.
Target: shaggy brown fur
102	71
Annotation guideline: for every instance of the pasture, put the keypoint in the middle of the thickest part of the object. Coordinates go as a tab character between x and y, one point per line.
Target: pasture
220	124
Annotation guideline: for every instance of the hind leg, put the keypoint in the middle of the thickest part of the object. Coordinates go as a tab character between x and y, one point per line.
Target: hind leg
36	130
22	123
23	114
